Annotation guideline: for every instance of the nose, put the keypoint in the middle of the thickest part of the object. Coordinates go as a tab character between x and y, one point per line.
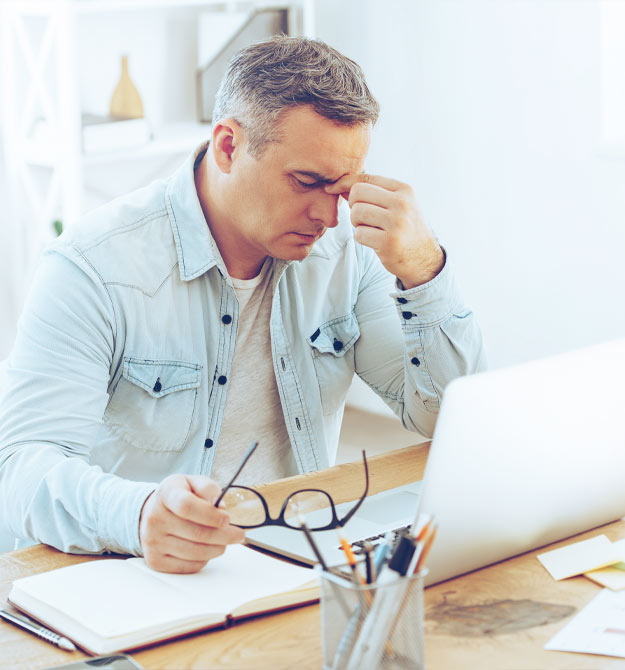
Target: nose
324	209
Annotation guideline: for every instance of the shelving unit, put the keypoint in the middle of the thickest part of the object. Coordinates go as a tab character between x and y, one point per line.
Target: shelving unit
47	65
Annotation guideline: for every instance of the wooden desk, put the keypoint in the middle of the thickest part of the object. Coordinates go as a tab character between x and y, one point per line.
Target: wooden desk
495	618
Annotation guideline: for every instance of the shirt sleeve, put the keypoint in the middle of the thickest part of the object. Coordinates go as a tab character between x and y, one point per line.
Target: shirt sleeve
55	395
439	341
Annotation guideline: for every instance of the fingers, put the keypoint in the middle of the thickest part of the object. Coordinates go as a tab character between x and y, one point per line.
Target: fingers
204	487
201	534
374	201
180	528
192	552
370	237
175	565
345	184
363	213
371	193
180	498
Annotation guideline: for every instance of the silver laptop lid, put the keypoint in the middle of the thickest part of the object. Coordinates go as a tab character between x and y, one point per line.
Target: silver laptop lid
525	456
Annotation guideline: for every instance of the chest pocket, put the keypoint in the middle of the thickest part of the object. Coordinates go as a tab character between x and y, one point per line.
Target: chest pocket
153	404
332	347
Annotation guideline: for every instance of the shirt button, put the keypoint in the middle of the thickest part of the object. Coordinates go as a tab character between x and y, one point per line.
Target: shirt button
415	361
226	318
209	443
407	315
402	301
338	345
222	379
157	386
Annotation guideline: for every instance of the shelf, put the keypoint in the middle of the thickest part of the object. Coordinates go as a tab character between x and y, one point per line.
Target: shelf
48	7
175	138
102	6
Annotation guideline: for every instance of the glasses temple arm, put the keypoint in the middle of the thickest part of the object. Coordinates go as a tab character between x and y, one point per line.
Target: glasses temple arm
250	451
353	511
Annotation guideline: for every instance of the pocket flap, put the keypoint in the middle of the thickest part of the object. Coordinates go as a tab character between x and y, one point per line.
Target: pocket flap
336	336
159	378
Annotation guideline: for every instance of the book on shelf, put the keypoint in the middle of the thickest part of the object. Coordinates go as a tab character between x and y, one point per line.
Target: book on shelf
110	605
108	133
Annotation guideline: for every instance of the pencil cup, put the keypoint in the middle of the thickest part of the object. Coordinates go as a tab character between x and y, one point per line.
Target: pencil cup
374	626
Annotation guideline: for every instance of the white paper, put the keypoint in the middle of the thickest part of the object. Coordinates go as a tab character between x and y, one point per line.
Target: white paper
579	557
598	629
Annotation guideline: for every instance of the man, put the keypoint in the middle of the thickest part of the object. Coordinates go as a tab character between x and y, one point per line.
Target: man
232	302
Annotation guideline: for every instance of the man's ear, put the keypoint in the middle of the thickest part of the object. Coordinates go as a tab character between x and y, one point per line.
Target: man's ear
227	142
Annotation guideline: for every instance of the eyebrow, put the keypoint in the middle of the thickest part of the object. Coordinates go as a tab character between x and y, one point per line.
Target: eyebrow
316	176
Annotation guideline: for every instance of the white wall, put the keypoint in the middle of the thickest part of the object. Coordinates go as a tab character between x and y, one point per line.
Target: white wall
491	109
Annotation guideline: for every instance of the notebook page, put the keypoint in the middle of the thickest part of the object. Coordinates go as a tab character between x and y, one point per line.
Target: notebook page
110	599
239	576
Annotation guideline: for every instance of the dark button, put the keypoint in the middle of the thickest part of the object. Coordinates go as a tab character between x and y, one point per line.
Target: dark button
402	301
407	315
315	335
338	345
208	443
222	379
158	386
226	318
415	361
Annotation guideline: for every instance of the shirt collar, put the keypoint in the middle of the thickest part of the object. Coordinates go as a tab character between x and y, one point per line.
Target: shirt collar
196	248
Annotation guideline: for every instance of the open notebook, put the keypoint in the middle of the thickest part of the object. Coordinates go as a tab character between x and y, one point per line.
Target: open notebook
112	604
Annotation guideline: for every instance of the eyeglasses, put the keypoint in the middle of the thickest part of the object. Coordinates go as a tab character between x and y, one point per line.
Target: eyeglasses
247	508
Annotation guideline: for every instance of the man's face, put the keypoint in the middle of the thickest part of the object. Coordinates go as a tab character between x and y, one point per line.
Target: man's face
280	207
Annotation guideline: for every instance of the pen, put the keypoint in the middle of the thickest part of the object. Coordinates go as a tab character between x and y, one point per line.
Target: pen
347	640
38	630
368	563
382	551
313	545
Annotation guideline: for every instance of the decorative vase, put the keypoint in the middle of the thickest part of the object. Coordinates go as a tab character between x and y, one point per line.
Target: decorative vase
126	101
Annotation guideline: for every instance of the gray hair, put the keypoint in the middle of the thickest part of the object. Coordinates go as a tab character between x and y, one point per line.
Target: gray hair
267	78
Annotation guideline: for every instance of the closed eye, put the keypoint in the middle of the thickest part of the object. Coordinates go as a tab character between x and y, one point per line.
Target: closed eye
306	185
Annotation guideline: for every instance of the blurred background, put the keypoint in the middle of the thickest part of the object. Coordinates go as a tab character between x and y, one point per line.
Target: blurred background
506	116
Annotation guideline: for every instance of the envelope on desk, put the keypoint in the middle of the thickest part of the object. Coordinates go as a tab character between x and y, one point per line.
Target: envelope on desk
582	557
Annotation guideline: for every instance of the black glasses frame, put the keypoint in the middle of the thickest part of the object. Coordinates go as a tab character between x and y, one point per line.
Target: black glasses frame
281	521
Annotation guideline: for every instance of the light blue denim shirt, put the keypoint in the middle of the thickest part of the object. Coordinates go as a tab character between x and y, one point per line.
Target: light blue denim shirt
119	373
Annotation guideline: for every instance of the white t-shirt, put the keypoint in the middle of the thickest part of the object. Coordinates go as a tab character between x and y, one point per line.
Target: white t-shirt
253	410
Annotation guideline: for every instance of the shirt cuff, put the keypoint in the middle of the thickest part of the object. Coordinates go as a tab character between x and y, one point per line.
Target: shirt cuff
431	303
119	520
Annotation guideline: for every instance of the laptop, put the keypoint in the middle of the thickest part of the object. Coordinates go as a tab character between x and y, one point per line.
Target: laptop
521	457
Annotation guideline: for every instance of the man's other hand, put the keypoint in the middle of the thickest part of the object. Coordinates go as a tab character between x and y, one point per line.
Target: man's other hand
385	215
180	528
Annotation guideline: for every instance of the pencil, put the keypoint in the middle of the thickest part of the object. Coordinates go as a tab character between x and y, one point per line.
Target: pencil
351	559
427	545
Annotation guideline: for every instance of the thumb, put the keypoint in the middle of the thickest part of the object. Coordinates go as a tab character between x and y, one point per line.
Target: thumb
204	487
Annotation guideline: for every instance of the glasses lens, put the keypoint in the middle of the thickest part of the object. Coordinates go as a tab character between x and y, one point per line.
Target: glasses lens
244	507
314	506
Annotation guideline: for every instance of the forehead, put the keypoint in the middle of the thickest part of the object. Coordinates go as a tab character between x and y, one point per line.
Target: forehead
310	142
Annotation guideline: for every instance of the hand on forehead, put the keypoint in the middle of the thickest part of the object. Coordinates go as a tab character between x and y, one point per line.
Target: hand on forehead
364	187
